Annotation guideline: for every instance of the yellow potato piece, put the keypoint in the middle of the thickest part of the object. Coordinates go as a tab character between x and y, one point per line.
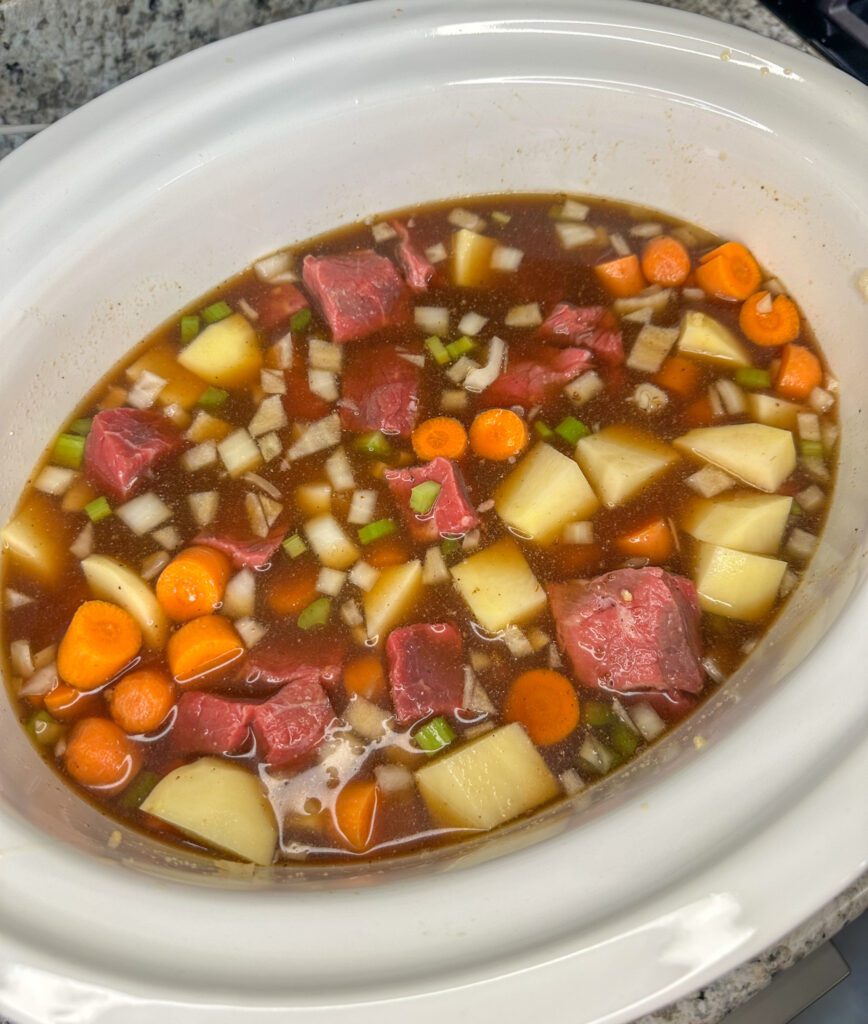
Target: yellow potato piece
182	387
737	584
36	538
471	259
392	598
115	582
746	521
621	461
499	586
758	455
225	354
703	337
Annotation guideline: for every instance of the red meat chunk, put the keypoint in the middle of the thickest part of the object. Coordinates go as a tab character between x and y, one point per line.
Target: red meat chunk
380	391
452	513
591	326
631	630
425	670
251	554
299	401
293	723
274	663
205	724
531	382
275	306
418	271
124	447
359	293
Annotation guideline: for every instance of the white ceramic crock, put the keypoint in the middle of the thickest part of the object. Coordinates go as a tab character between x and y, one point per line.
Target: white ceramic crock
670	874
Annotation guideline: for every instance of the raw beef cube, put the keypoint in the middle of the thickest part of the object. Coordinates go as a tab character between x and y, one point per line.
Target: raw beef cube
292	723
359	293
591	326
417	270
531	382
452	514
245	553
277	305
124	447
205	724
287	660
426	676
380	392
631	629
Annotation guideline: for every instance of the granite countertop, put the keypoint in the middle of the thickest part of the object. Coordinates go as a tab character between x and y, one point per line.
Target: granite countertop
57	54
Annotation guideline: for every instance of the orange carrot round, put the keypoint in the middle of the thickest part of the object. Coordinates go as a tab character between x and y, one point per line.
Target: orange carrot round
546	704
141	700
201	647
355	811
442	436
192	584
666	261
622	277
653	541
799	373
388	551
728	272
777	325
101	756
67	704
292	590
498	434
679	375
100	640
364	677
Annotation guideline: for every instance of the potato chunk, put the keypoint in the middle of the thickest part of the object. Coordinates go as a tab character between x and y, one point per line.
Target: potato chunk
330	543
36	538
620	461
219	804
746	521
499	587
392	598
488	781
737	584
544	492
471	259
182	387
225	354
759	455
703	337
113	581
774	412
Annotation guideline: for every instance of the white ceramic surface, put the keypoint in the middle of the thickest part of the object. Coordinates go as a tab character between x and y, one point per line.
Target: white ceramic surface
665	878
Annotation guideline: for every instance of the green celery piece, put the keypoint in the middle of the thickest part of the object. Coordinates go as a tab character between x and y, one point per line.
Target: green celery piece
216	311
749	377
437	349
434	735
81	427
461	347
572	430
190	326
543	430
374	443
68	451
597	713
98	509
376	531
298	321
423	496
212	398
45	729
623	739
316	614
811	449
134	795
796	509
294	546
450	546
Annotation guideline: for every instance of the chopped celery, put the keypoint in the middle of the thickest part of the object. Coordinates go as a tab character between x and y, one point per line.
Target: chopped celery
543	430
98	509
437	349
434	736
749	377
316	614
216	311
374	443
68	451
298	321
423	496
556	211
189	328
376	531
572	430
796	509
294	546
461	347
44	729
212	398
81	427
450	546
809	449
597	713
623	739
134	795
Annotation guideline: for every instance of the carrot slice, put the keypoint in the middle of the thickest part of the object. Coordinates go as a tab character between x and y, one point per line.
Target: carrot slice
666	261
699	413
67	704
201	647
292	590
777	325
364	676
141	701
546	704
101	756
679	375
442	436
100	640
498	434
622	277
728	272
355	811
192	584
799	373
653	541
383	553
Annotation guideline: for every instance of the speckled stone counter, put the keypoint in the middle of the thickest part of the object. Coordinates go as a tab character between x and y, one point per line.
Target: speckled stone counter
57	54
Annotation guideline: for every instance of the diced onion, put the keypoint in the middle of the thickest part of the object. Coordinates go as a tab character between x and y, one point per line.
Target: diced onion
595	755
528	315
351	613
811	498
271	508
809	426
324	433
647	721
178	415
640	316
471	541
416	359
578	533
45	656
829	433
239	598
454	401
330	581
21	658
143	514
692	294
573	210
263	485
281	353
485	376
363	504
255	515
479	661
272	382
505	258
650	398
203	506
765	305
364	576
434	569
329	542
516	642
167	537
460	368
475	698
620	244
820	400
54	480
432	319
538	638
648	229
248	310
13	599
773	286
462	218
714	400
144	392
323	355
250	631
42	680
239	453
471	324
154	564
801	544
323	384
789	583
713	670
383	232
199	457
270	446
815	467
554	658
654	298
206	427
436	253
710	481
478	730
270	416
393	778
584	388
365	718
339	471
573	235
275	268
572	782
651	347
732	397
